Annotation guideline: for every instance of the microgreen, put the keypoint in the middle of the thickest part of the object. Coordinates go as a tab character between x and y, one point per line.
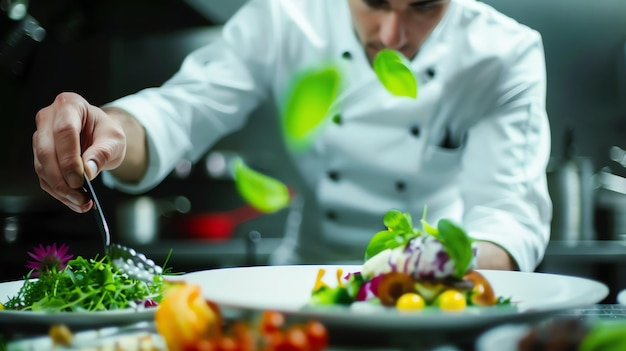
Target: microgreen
261	191
394	73
399	232
311	95
82	285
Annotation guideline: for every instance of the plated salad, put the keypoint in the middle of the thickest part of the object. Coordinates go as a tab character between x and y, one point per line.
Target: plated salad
57	282
412	269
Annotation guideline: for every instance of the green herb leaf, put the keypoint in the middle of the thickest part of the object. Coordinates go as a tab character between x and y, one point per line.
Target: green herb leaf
605	336
378	243
458	245
262	192
312	94
393	73
400	232
83	285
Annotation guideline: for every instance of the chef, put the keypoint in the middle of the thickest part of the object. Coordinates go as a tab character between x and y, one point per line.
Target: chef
472	147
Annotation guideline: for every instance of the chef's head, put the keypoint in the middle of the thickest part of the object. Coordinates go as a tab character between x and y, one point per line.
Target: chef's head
401	25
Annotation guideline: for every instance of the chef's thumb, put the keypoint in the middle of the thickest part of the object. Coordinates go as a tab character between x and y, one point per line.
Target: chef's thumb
91	167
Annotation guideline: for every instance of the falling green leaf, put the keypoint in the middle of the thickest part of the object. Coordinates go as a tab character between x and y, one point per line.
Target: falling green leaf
312	95
394	74
264	193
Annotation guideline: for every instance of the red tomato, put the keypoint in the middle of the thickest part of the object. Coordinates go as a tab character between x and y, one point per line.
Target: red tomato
244	336
272	321
295	340
317	334
227	343
271	340
205	345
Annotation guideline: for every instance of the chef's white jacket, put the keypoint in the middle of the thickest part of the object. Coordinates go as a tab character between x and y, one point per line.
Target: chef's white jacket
473	146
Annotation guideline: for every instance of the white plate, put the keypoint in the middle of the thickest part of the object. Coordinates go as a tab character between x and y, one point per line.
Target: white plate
288	289
76	320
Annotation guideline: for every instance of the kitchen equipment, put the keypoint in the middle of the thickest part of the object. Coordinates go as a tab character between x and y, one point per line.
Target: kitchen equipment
218	225
570	182
129	261
140	219
610	201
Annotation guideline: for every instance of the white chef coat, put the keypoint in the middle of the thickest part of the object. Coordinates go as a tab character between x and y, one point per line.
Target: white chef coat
473	146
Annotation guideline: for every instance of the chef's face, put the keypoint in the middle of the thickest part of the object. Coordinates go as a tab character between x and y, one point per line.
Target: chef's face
401	25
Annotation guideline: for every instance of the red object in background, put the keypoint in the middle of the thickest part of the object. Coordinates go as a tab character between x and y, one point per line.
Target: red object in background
218	225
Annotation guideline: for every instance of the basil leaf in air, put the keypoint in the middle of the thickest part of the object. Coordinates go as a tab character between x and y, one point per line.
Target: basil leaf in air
264	193
458	245
393	73
312	94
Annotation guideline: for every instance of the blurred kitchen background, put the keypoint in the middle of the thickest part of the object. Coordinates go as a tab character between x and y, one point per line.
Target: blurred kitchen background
104	49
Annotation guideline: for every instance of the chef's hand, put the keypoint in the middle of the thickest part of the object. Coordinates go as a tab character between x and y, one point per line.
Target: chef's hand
73	137
492	256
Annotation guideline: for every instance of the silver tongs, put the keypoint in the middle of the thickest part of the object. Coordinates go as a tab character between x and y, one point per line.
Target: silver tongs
136	265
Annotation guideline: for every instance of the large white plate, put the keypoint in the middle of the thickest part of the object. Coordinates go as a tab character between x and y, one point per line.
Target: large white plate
288	289
77	320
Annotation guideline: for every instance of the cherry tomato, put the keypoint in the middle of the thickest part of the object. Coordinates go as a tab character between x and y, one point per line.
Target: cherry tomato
272	321
317	334
227	343
451	300
393	285
243	336
205	345
295	340
410	302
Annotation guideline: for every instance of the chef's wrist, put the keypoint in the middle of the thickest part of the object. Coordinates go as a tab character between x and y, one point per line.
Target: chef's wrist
492	256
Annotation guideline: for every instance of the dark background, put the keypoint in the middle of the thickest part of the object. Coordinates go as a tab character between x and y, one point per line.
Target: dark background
104	49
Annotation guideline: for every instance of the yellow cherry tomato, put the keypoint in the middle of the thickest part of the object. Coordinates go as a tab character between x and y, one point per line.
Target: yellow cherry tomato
451	300
410	302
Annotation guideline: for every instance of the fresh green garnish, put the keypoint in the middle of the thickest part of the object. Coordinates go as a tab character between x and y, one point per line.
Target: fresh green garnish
458	245
83	285
264	193
312	94
393	73
605	335
338	295
400	231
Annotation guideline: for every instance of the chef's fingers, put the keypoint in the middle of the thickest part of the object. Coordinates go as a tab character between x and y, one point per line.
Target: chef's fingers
108	146
72	198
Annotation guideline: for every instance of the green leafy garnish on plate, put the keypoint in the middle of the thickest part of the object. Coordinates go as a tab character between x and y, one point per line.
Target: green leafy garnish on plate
80	285
264	193
394	73
399	231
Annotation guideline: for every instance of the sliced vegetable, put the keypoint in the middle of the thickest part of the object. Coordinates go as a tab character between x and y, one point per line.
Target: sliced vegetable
393	285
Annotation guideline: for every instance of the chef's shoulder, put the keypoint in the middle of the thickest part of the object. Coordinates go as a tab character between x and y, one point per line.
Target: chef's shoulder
490	32
283	25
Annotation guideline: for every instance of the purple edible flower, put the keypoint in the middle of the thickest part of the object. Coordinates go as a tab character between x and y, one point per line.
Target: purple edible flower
48	258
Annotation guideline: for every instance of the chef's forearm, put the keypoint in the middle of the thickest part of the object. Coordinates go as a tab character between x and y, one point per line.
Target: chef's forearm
492	256
135	163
